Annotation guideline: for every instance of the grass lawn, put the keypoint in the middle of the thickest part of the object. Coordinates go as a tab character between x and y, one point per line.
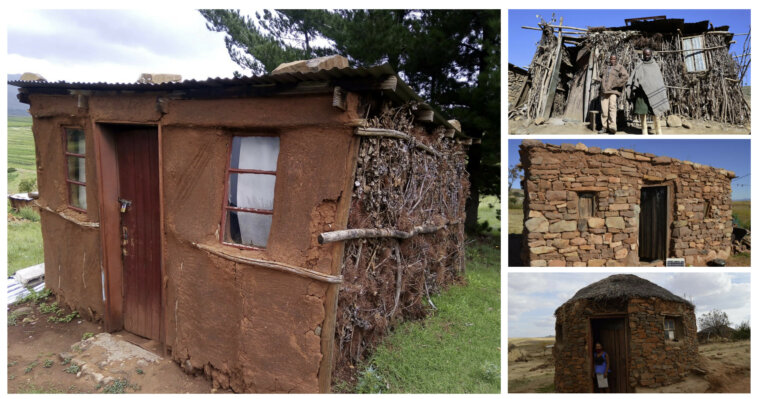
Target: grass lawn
515	221
24	244
456	349
20	151
489	210
741	209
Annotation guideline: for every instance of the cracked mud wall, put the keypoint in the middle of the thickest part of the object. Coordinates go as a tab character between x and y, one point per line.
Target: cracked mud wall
248	328
251	329
71	252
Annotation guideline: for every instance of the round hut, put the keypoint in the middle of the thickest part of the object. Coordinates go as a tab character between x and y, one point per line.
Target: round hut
649	333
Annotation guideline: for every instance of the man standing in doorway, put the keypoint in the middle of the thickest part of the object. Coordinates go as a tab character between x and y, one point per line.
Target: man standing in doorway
614	79
648	91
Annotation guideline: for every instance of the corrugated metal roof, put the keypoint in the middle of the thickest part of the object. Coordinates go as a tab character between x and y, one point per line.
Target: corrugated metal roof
376	71
403	91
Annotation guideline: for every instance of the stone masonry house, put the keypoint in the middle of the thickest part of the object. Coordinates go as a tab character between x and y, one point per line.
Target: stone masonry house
649	334
592	207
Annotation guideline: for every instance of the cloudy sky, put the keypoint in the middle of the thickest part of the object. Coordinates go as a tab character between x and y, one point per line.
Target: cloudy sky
533	297
115	45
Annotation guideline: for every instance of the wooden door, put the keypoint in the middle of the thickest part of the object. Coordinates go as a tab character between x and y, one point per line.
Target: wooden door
653	223
612	335
137	149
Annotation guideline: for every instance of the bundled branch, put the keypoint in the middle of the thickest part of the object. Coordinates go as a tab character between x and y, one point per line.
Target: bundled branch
398	253
713	94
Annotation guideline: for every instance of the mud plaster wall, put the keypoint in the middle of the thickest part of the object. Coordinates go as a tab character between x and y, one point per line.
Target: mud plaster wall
652	361
555	235
249	328
72	272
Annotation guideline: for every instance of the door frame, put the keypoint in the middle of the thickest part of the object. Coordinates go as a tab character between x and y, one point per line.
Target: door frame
669	204
106	158
590	340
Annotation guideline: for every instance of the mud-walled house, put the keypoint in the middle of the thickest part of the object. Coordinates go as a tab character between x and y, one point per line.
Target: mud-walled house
585	206
702	77
648	333
243	223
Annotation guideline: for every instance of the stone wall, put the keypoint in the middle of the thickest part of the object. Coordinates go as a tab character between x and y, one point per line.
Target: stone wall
554	234
652	361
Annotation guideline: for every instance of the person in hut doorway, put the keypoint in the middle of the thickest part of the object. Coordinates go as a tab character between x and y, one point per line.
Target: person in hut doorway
601	368
614	79
648	91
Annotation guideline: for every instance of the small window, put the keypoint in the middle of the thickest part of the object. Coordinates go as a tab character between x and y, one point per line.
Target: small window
249	198
586	205
673	328
694	54
708	205
76	181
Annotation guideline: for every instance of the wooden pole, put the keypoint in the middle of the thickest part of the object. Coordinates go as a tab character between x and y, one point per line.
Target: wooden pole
273	265
375	132
552	88
352	234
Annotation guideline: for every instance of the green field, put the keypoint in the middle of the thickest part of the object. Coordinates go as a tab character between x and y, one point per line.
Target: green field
458	348
489	211
20	151
741	211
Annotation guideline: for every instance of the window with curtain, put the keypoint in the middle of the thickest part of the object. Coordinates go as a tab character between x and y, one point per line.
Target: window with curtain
249	200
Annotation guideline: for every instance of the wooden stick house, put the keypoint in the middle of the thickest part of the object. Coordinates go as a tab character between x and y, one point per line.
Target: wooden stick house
264	230
703	79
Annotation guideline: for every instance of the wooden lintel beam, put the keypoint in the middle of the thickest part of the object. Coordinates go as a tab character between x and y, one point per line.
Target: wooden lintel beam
424	115
339	98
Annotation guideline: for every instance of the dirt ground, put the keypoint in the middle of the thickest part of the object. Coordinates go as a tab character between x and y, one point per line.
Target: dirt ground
726	367
36	366
698	127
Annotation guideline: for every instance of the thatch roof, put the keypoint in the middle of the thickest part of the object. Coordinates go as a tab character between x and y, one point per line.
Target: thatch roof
624	287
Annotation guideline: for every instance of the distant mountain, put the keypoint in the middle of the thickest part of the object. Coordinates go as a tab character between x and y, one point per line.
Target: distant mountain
15	107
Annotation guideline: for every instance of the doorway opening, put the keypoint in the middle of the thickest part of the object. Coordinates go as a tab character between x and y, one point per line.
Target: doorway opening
613	335
653	223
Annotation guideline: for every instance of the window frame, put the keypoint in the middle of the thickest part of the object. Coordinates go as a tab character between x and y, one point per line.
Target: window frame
695	54
677	327
225	193
66	154
593	207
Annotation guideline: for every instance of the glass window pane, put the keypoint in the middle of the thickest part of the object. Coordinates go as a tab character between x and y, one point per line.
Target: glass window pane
250	190
75	141
259	153
78	196
76	168
247	228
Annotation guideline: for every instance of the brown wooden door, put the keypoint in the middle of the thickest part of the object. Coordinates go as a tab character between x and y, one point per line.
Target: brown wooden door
612	335
653	223
137	149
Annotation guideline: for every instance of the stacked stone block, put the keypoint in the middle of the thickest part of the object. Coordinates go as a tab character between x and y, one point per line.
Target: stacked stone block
653	361
555	234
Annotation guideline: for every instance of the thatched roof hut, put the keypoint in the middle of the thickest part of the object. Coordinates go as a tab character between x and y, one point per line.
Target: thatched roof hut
703	79
648	333
623	287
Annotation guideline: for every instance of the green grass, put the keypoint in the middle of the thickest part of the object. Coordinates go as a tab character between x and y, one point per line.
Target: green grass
515	221
489	212
20	151
24	245
456	349
741	210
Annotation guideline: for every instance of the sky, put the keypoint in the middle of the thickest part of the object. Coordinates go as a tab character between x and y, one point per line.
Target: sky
522	42
730	154
533	297
115	45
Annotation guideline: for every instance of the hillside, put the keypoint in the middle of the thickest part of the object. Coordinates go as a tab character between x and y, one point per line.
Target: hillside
15	107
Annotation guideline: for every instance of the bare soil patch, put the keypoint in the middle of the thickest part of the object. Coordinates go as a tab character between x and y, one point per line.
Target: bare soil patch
697	127
35	364
725	367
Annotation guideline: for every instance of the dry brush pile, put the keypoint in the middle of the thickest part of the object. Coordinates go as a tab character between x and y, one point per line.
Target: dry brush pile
712	95
400	184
